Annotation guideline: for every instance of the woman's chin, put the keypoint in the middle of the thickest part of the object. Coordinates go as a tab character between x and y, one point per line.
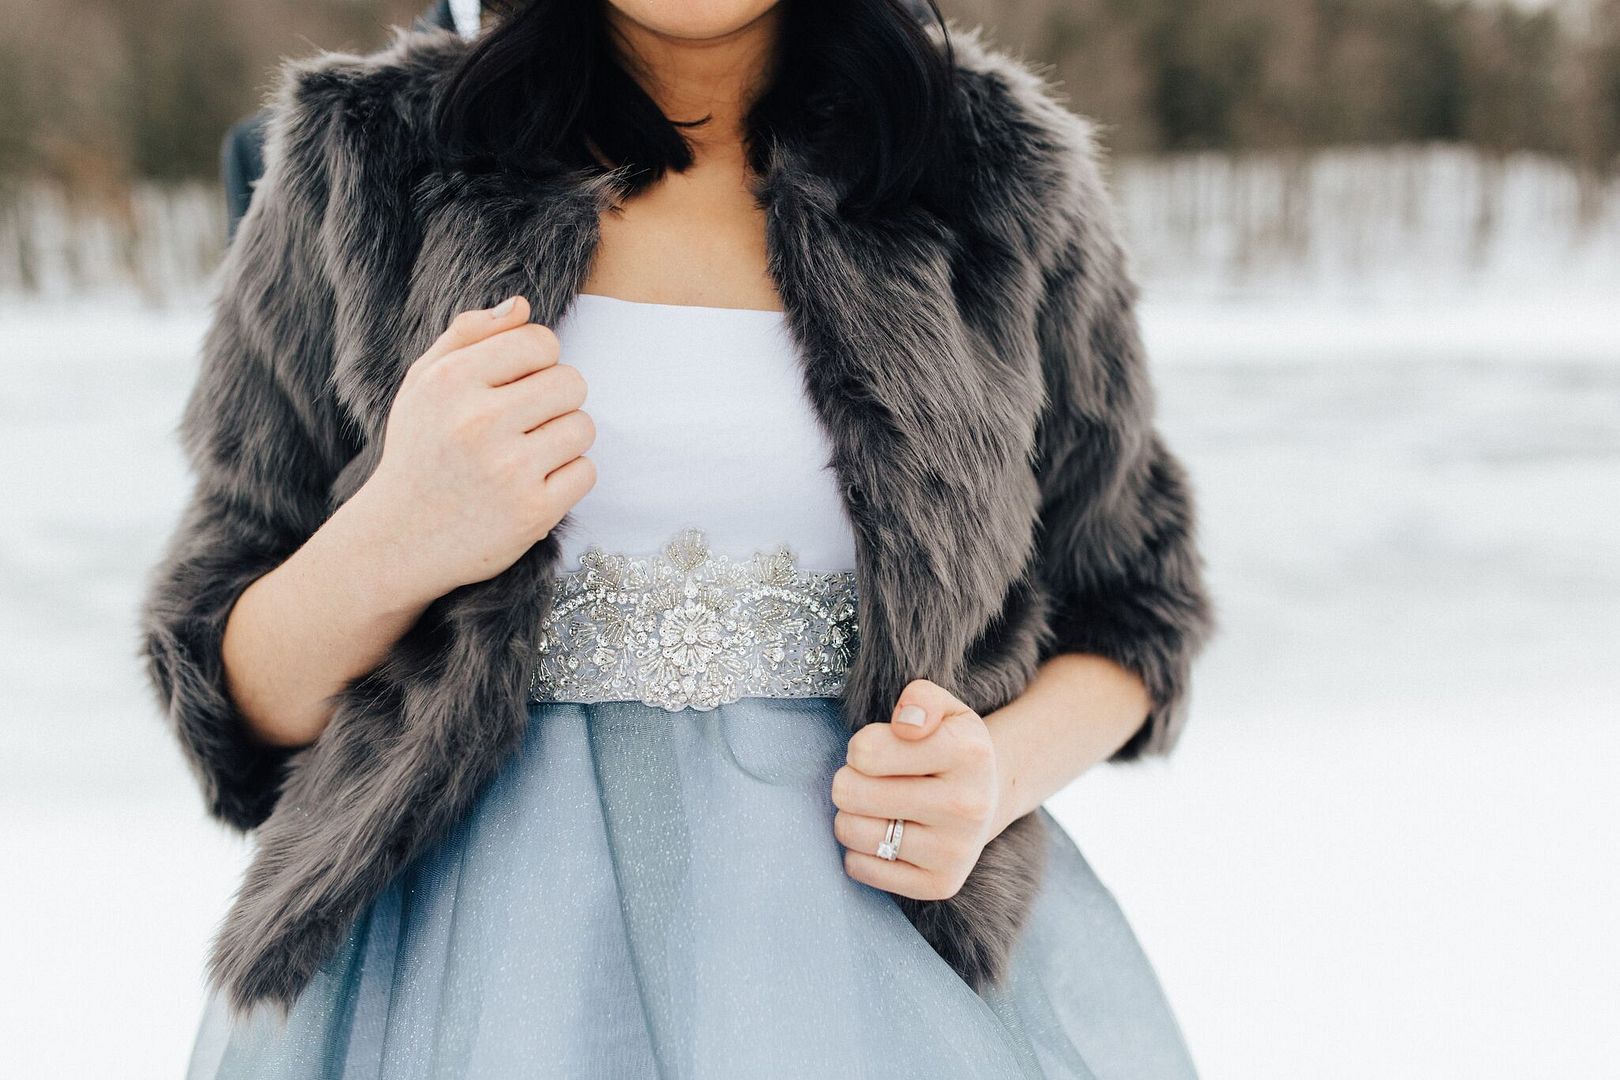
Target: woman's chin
692	21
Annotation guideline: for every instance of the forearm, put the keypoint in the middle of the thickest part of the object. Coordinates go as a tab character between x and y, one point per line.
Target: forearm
1076	711
330	612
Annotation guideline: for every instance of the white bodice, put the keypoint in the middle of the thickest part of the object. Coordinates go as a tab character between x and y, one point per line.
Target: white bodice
713	558
702	421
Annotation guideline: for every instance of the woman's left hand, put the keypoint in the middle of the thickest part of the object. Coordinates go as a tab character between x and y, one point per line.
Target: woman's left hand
939	775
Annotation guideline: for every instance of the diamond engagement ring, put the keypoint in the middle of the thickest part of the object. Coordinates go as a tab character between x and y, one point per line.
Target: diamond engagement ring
890	848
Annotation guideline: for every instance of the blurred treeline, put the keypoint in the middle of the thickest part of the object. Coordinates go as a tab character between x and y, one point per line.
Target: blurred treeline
1240	74
95	94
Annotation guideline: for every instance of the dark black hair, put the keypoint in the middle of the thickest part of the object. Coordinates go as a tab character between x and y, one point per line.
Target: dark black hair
858	80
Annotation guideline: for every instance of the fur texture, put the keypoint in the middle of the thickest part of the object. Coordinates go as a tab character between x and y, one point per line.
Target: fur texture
980	377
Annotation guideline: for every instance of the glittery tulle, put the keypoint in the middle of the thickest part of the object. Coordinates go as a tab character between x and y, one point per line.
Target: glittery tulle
646	893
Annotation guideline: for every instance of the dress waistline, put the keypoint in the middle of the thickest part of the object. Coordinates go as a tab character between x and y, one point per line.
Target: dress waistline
687	628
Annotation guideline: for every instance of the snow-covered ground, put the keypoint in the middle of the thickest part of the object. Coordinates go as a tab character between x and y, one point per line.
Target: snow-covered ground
1389	844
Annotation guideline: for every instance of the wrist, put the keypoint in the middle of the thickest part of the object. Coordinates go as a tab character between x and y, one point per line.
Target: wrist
1008	792
376	556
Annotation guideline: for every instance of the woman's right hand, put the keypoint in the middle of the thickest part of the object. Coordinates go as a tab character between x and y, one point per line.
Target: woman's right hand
482	454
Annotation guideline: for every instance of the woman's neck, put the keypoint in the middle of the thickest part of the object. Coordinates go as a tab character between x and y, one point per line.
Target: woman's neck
691	77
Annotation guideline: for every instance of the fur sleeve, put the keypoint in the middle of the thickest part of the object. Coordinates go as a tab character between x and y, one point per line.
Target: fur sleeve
1117	545
261	436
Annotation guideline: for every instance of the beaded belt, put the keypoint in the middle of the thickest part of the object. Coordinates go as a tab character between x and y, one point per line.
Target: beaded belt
689	629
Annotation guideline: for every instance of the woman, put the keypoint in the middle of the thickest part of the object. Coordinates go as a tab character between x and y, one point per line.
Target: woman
720	751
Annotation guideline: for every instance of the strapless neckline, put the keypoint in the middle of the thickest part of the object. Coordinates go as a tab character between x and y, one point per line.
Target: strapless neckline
602	298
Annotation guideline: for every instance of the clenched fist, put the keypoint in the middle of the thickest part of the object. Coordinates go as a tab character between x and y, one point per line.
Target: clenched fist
482	454
933	765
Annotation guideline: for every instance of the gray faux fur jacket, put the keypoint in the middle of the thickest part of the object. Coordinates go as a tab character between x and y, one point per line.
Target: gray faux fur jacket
980	376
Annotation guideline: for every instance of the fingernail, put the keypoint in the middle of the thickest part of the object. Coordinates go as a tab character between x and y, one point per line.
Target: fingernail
913	715
504	307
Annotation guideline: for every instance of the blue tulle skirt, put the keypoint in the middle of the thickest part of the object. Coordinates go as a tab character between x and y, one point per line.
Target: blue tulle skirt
644	893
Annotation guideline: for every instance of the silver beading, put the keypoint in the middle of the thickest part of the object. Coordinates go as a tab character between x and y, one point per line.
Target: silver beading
689	629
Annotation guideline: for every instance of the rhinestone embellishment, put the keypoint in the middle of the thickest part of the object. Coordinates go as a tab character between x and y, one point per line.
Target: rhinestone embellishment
687	628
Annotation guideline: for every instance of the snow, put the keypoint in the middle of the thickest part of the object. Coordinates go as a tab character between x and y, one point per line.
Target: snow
1386	845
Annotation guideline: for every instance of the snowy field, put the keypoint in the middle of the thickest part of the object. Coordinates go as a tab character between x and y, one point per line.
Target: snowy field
1388	846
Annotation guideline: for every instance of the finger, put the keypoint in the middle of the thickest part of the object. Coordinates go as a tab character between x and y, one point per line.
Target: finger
915	798
878	750
541	396
469	327
921	707
896	877
562	439
919	842
568	483
512	354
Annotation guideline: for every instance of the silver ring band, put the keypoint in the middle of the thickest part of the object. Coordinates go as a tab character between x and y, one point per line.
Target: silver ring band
890	847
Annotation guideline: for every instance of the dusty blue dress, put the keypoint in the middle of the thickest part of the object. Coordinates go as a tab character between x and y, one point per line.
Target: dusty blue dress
645	893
